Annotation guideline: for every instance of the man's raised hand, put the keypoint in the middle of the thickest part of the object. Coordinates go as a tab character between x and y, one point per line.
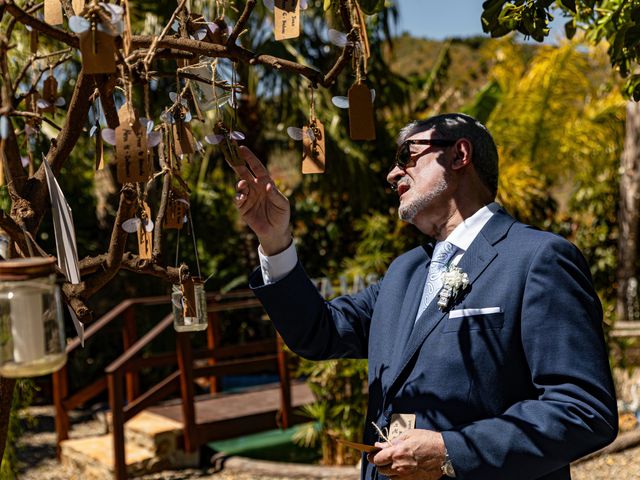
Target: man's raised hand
261	205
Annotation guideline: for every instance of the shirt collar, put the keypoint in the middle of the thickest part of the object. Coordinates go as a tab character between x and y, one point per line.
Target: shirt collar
469	228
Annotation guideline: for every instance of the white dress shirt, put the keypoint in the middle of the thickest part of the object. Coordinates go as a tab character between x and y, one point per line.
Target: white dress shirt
276	267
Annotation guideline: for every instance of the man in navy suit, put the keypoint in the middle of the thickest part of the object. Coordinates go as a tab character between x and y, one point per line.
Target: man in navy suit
485	346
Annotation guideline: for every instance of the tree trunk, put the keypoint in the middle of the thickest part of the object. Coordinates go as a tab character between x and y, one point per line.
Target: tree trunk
6	397
629	218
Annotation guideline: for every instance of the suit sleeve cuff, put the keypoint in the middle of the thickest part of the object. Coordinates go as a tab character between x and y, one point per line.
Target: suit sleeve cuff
276	267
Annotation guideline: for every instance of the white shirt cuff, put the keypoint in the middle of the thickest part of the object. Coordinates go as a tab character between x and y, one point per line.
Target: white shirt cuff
276	267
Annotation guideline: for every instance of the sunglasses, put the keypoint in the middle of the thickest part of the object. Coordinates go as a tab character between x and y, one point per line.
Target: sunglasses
403	155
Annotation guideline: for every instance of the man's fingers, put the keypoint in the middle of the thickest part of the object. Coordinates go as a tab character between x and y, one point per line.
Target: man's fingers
243	172
258	169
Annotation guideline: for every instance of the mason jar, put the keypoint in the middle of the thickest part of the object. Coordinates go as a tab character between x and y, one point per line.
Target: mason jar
31	319
189	302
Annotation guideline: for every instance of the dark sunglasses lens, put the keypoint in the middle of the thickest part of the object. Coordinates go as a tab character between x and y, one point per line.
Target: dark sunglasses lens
403	155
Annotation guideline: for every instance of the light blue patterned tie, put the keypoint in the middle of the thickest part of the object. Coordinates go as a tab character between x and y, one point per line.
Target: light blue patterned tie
442	255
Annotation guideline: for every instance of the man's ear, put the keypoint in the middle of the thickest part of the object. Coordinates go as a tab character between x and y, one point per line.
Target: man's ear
463	151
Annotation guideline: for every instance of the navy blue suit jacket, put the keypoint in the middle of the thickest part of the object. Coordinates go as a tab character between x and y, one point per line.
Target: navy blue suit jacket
517	394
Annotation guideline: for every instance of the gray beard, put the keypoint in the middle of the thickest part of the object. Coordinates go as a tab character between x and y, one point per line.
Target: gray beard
408	211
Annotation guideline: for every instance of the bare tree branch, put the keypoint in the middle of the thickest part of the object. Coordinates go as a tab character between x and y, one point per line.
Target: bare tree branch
117	244
242	21
26	19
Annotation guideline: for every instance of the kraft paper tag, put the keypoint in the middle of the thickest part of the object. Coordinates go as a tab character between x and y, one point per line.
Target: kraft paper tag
189	295
99	151
286	19
53	12
400	423
77	6
175	212
102	58
33	41
1	162
131	155
362	447
313	152
361	124
145	238
50	89
183	138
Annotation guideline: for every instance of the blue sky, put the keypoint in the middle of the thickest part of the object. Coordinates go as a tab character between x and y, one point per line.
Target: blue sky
438	19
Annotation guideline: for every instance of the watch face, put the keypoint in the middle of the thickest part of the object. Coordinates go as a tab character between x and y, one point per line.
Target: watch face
448	470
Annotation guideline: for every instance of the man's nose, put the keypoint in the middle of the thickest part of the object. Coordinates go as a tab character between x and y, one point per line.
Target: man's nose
394	175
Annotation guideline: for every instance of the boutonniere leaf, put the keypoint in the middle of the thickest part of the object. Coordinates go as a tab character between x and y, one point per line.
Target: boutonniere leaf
454	281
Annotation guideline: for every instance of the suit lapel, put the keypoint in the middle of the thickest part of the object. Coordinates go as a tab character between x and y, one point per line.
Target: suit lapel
474	261
410	310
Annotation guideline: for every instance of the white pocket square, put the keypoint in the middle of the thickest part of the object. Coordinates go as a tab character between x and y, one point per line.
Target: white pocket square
468	312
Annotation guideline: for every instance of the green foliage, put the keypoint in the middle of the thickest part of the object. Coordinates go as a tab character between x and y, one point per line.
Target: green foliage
22	397
615	21
339	387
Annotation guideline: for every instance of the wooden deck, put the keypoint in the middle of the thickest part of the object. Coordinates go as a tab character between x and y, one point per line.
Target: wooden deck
229	415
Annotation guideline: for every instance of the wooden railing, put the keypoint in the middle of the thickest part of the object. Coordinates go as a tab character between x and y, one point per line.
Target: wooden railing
121	378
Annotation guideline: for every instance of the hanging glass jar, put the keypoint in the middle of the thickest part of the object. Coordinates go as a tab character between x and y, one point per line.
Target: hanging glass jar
31	319
189	302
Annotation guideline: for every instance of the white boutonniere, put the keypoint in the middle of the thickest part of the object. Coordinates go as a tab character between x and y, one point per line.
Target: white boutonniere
454	281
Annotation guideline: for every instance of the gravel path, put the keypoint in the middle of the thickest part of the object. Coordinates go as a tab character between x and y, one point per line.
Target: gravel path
37	457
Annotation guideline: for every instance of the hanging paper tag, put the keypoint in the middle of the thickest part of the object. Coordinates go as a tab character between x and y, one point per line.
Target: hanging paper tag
1	162
34	43
361	124
78	6
131	155
53	12
100	58
49	93
99	151
50	89
286	19
175	212
189	295
183	138
313	152
145	238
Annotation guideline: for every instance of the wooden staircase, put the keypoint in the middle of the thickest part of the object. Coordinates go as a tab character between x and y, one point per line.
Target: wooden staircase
153	430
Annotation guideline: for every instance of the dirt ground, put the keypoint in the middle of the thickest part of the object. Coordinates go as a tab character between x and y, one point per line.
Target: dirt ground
38	458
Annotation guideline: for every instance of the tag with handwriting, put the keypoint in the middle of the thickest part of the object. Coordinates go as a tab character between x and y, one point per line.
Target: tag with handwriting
189	295
361	123
145	238
131	155
313	152
286	19
400	423
175	212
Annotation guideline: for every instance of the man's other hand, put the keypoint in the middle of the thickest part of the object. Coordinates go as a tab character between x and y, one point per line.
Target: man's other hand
414	455
261	205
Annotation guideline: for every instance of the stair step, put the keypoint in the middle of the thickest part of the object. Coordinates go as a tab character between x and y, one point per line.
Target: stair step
152	444
92	458
156	433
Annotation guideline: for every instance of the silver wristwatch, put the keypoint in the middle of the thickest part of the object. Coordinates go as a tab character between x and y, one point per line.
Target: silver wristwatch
447	466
